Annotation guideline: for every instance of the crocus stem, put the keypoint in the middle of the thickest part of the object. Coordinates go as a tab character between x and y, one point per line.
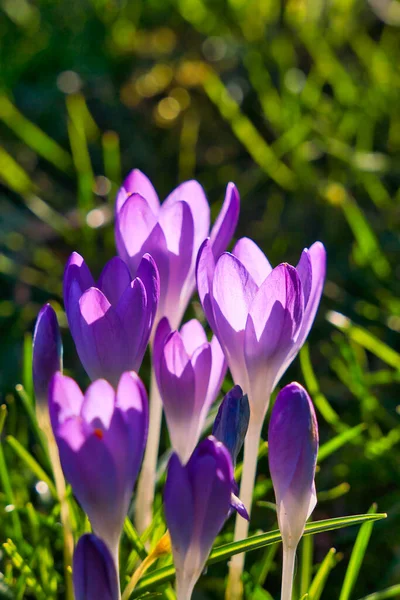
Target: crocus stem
147	480
289	555
234	589
44	424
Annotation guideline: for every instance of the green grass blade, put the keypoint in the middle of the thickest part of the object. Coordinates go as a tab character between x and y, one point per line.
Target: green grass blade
6	483
134	538
392	592
366	339
27	364
339	440
34	137
357	557
224	552
28	406
32	464
307	546
320	401
318	583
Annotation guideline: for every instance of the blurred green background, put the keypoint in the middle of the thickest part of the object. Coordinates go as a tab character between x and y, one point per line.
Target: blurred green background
298	103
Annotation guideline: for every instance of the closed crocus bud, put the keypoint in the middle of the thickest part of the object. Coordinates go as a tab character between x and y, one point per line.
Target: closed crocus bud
189	372
101	438
260	315
230	428
172	233
292	454
47	353
94	571
111	321
197	502
232	420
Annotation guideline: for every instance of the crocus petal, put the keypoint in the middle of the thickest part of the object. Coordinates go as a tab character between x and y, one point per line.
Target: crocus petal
136	232
134	325
99	340
232	420
177	224
253	259
233	292
179	509
94	571
317	255
76	270
225	225
132	401
205	269
239	507
114	280
98	413
211	473
162	333
137	183
92	473
47	352
201	361
65	399
218	371
193	194
292	455
193	335
177	388
272	326
148	274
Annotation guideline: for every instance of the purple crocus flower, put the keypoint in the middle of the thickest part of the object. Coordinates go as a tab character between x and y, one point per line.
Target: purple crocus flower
47	353
94	571
189	372
172	233
101	438
111	321
230	428
197	502
292	455
260	315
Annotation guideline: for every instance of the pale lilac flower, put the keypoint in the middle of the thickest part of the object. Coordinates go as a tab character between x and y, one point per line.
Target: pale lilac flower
101	438
172	233
189	372
111	321
260	315
197	502
47	353
94	572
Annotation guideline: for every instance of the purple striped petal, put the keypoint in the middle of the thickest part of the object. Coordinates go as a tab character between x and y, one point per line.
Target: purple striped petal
137	183
253	259
47	353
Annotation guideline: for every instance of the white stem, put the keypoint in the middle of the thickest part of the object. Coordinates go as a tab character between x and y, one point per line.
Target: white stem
234	589
184	587
147	480
289	555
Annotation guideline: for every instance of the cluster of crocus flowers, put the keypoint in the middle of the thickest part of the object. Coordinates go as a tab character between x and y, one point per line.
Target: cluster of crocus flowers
260	317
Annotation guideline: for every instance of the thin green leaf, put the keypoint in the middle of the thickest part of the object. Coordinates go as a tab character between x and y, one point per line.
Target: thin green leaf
134	538
32	464
318	583
307	546
224	552
339	440
392	592
366	339
28	406
320	401
357	557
